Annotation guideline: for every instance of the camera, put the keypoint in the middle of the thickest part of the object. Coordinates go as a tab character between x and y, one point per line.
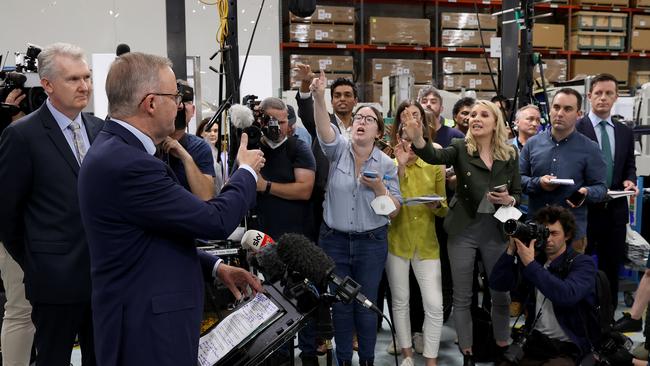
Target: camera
25	77
263	124
527	232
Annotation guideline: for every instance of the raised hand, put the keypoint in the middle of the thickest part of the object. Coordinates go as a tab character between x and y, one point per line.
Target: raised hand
253	158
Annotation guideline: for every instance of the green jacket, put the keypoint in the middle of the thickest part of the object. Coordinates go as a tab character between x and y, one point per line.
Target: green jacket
473	180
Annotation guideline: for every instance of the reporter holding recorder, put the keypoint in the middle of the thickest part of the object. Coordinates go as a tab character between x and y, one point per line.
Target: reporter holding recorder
482	161
355	219
412	241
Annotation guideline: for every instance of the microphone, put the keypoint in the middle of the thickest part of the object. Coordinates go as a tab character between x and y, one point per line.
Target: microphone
263	255
304	257
121	49
241	116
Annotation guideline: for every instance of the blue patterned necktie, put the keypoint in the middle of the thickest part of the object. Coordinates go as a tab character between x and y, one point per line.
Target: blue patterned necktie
79	145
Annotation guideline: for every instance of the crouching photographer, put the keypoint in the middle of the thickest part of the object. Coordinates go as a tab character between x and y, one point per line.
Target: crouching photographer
560	288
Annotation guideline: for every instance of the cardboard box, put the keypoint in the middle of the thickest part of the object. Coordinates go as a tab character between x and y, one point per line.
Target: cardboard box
475	82
548	36
616	3
467	21
295	84
641	21
605	41
640	40
641	3
598	20
385	30
586	67
422	70
324	62
638	78
373	91
555	70
328	14
321	33
468	65
465	38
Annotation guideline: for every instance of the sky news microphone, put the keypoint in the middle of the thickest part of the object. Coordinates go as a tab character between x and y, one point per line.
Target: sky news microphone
263	255
304	257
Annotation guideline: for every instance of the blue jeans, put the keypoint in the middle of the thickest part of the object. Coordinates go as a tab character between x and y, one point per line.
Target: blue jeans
362	256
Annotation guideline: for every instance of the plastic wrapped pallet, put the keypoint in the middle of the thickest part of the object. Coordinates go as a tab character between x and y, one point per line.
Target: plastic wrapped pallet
422	70
321	33
465	38
324	62
468	65
399	31
467	21
328	14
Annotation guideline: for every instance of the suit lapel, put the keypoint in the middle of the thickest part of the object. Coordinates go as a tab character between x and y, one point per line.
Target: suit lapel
619	153
588	128
92	127
55	134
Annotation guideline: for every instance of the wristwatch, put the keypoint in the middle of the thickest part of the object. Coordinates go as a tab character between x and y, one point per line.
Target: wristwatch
268	187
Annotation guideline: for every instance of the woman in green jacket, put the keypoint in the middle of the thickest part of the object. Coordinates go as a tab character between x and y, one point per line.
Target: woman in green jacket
482	162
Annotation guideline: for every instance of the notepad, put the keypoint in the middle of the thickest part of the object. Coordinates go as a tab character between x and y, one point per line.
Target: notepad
422	199
562	182
618	194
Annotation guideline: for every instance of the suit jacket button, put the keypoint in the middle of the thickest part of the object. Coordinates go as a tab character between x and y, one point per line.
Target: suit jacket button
469	173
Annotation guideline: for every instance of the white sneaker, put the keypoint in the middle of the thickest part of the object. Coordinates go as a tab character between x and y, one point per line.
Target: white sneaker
391	349
408	361
418	342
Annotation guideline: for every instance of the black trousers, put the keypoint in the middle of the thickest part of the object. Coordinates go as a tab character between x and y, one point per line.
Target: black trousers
57	327
606	239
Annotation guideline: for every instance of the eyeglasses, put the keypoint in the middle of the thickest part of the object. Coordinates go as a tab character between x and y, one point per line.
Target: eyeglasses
366	119
177	97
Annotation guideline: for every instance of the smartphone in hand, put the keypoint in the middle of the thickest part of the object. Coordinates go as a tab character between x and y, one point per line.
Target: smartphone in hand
576	198
370	174
500	188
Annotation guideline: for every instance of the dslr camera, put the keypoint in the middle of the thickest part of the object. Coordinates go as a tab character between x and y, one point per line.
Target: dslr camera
25	77
263	124
527	231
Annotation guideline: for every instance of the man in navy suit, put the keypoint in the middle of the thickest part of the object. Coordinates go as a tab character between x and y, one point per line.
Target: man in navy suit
40	222
147	273
606	221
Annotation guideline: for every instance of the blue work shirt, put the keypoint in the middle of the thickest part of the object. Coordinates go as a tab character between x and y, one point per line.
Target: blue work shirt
347	200
576	157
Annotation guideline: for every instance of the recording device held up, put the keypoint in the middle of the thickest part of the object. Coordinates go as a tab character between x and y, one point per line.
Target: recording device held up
527	231
250	118
25	77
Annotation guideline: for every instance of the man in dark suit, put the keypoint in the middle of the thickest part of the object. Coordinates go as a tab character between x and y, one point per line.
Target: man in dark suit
606	221
40	222
147	273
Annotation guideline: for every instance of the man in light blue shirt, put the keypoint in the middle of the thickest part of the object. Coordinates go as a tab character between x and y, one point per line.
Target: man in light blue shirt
562	152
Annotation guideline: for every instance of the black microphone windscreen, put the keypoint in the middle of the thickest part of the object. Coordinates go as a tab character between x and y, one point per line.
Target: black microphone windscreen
302	8
121	49
304	257
269	263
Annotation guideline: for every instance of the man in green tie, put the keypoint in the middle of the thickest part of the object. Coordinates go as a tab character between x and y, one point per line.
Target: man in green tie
606	221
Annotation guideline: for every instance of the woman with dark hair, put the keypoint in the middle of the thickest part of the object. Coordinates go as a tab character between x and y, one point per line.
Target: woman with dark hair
487	171
412	240
220	162
362	194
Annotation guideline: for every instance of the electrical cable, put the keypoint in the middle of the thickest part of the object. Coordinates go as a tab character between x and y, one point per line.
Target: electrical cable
392	333
480	35
222	32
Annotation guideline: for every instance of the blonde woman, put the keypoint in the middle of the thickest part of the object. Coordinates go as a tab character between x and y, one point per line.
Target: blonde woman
482	161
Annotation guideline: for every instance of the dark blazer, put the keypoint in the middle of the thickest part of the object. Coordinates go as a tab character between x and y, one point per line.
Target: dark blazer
147	273
624	163
40	223
474	180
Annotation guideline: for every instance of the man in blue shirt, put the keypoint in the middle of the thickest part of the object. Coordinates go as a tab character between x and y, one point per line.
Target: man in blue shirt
189	156
564	153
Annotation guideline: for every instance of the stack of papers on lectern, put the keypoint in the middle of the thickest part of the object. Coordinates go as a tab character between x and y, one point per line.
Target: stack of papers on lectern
422	199
617	194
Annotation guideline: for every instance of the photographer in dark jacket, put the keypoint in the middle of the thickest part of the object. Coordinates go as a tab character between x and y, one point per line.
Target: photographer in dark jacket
561	292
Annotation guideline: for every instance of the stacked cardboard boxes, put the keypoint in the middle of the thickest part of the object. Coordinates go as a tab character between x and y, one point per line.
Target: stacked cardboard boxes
333	24
421	70
399	31
586	67
599	31
461	29
555	70
331	64
640	33
614	3
549	36
469	73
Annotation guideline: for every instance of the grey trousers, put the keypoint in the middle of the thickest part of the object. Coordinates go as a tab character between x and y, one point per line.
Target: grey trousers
483	235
